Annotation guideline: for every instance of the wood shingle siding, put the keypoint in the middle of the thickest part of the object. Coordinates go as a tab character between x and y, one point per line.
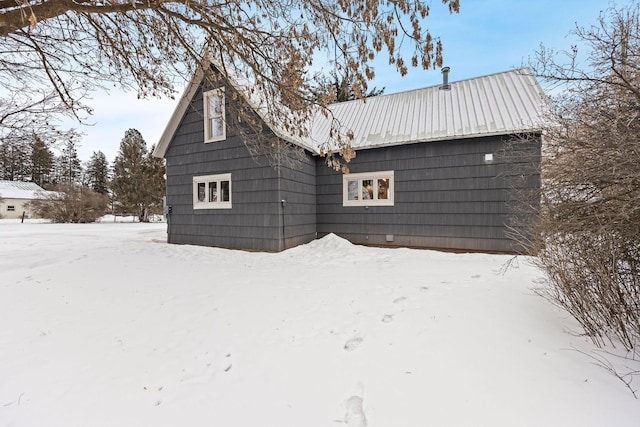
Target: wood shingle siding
446	193
446	196
256	220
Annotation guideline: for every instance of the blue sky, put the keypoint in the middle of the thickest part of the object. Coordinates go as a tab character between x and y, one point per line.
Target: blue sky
487	36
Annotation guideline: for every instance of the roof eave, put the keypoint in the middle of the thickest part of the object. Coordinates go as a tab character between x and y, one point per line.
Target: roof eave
186	98
449	138
178	113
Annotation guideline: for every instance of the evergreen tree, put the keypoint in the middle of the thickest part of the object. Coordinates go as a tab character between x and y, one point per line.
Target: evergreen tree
15	159
157	184
70	168
342	85
98	173
41	161
137	185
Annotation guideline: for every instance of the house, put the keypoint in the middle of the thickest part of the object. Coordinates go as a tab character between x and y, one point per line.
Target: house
434	169
15	197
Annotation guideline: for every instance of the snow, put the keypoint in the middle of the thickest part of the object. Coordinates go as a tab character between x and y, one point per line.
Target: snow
21	190
107	325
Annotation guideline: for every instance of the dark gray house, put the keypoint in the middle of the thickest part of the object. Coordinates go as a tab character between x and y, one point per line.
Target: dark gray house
435	168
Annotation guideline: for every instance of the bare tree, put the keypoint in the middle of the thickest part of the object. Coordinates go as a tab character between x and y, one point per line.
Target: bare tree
588	233
27	105
76	46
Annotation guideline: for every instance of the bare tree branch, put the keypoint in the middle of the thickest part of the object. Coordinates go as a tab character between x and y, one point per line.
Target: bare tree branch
71	47
588	234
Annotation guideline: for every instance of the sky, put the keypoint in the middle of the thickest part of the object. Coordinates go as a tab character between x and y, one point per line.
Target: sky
487	36
105	325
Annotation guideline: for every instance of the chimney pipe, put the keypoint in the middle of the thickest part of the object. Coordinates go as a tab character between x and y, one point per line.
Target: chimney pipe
445	79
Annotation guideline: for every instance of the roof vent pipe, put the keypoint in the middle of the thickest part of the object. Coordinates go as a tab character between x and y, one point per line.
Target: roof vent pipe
445	79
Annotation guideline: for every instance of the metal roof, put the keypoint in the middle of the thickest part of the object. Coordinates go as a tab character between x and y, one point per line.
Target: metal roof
501	103
20	190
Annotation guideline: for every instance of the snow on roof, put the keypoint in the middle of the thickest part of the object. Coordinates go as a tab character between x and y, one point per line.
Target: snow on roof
20	190
502	103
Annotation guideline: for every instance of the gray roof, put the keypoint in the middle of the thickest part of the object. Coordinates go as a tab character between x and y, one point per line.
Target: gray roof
21	190
497	104
502	103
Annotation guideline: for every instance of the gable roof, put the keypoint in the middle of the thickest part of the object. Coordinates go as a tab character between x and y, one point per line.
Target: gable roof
502	103
254	98
20	190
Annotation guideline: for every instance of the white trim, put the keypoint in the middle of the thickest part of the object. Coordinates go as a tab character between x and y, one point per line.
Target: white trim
250	92
372	196
178	113
530	101
202	200
208	116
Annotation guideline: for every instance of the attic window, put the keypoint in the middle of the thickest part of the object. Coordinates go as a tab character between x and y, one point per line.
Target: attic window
488	158
368	189
214	125
11	208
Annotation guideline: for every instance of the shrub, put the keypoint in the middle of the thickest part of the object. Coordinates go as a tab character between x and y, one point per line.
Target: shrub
70	203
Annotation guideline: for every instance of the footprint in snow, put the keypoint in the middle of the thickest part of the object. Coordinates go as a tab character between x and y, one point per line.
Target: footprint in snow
475	276
387	318
353	343
354	416
399	300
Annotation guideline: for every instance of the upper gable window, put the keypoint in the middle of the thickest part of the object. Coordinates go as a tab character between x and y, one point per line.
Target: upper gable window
214	126
368	189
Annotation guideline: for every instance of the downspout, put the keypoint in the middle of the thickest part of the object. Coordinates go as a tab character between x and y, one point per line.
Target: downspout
283	245
283	203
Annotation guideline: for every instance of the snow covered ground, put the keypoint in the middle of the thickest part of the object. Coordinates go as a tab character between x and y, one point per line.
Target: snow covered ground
107	325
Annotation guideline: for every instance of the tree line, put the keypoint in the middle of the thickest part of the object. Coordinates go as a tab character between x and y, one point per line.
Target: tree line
132	185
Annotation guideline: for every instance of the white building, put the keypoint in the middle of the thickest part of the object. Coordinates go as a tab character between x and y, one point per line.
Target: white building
15	197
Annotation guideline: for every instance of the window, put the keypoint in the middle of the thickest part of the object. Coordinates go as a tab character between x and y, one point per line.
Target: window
368	189
212	191
214	126
11	208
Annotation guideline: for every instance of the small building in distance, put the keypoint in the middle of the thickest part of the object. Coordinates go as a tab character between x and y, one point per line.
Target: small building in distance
15	198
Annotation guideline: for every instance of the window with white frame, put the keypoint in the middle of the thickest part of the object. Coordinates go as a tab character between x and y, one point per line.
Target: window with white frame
368	189
212	191
214	125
